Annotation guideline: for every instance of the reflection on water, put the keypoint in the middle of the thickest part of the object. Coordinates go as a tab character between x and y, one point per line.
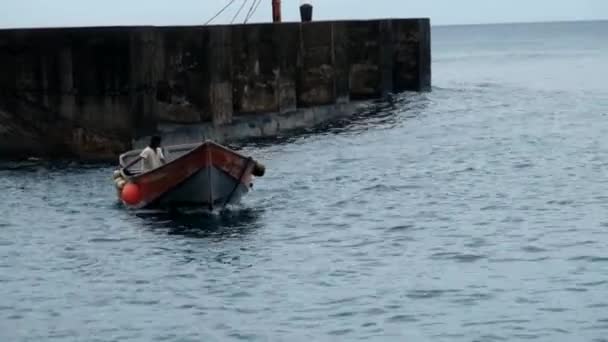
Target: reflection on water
229	223
386	112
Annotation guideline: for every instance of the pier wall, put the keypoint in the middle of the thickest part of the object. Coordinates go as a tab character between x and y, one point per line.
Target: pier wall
93	92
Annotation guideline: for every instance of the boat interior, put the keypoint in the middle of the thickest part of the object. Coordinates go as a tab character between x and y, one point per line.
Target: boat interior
171	153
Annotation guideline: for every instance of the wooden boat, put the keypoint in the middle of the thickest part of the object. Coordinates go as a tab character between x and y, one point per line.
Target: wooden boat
205	175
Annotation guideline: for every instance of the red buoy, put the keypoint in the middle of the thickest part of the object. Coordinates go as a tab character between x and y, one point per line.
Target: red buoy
131	194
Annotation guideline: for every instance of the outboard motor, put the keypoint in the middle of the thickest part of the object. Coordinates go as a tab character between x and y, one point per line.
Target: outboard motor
306	10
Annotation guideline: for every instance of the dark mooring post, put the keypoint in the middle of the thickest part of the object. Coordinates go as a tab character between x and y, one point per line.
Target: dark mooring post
276	11
306	11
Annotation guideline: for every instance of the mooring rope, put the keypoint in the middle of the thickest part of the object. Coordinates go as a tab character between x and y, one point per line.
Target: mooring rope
239	11
252	10
220	12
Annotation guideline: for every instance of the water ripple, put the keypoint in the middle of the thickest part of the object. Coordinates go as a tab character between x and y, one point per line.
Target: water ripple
475	212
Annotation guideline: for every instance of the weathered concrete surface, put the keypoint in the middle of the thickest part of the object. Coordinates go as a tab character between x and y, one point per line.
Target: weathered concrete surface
93	92
264	125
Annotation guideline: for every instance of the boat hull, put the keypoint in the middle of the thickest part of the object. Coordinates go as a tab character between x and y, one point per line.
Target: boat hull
209	188
207	176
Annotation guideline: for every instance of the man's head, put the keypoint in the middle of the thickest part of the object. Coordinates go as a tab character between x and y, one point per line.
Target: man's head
155	141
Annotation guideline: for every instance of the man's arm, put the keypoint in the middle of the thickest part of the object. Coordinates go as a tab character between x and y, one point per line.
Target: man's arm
142	155
133	162
161	155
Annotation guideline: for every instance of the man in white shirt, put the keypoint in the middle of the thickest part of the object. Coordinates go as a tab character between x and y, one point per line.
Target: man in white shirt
152	156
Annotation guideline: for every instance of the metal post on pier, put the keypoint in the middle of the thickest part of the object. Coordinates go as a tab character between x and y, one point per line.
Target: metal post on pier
276	11
306	10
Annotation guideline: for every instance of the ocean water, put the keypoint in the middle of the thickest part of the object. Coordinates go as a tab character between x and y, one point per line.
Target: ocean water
476	212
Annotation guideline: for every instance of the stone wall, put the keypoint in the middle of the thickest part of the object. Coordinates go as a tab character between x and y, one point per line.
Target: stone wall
90	92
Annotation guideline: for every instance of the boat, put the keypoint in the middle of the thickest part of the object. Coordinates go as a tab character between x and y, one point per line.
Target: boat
205	175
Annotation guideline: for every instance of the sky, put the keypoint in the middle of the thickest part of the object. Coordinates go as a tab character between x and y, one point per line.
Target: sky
54	13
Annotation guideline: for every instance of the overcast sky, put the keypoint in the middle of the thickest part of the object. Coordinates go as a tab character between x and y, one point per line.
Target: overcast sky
46	13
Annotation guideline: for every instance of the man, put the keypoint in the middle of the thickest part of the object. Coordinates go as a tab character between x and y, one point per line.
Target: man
152	156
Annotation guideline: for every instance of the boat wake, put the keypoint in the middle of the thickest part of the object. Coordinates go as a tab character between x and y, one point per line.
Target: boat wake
200	223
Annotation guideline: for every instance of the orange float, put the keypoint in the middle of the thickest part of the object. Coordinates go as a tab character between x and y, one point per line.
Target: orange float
130	194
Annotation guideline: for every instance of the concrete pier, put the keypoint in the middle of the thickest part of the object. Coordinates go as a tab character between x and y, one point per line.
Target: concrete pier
94	92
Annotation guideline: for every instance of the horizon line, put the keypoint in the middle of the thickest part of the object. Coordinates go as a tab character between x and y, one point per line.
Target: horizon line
566	21
562	21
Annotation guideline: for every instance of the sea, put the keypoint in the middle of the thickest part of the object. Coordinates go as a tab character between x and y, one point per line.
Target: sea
474	212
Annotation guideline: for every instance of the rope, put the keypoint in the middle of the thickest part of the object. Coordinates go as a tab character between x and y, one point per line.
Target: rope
252	10
239	11
220	12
